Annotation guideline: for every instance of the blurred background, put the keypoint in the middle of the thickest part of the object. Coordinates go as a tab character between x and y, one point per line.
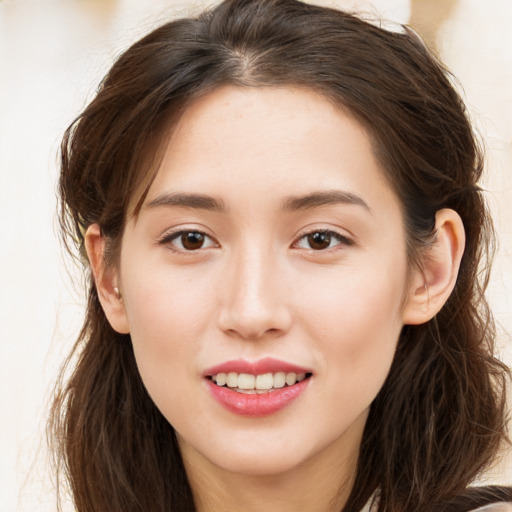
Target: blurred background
53	53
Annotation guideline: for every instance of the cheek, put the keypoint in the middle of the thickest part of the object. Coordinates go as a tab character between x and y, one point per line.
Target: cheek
164	302
356	322
167	317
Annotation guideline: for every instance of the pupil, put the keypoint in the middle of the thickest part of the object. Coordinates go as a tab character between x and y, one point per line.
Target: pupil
319	240
192	240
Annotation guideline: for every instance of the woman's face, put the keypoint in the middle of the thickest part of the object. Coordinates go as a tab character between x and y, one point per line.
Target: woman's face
271	245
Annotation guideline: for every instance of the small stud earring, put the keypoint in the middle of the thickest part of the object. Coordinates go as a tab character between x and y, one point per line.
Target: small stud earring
118	293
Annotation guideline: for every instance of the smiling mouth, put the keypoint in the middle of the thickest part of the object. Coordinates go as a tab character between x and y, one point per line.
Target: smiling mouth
257	384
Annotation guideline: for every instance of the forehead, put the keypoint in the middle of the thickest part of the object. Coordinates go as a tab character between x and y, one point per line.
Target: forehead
266	139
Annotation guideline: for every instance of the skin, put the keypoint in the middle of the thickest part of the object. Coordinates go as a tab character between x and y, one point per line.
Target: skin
258	288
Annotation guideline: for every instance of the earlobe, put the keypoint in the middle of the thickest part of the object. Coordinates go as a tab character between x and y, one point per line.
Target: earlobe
432	284
105	280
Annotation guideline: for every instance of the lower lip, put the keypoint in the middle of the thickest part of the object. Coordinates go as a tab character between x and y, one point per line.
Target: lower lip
257	404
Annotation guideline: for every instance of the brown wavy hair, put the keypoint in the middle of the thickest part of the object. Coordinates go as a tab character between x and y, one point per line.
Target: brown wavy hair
439	419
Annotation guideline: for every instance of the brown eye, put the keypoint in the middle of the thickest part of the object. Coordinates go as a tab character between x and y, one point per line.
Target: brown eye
188	241
319	240
192	240
322	240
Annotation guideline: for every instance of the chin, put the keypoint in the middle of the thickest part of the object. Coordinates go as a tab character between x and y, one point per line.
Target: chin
258	464
249	455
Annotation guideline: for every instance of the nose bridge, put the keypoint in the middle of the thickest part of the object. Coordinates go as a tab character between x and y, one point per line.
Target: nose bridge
252	303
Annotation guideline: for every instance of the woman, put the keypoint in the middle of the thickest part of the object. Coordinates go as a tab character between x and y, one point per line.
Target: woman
279	208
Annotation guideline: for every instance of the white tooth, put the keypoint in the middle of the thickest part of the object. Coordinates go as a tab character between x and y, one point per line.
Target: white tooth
232	380
265	381
220	379
291	378
246	381
279	380
301	377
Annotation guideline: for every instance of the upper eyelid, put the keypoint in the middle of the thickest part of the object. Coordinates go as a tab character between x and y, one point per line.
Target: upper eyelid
330	231
344	241
176	231
169	236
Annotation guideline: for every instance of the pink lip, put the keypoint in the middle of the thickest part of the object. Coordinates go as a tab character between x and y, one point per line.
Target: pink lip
266	365
255	405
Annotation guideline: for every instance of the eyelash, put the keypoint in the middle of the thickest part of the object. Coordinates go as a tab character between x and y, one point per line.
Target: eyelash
331	235
169	238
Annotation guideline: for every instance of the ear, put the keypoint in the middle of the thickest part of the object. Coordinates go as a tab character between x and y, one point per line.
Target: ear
106	280
432	284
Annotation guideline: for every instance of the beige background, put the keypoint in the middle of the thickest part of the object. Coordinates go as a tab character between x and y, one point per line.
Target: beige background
52	55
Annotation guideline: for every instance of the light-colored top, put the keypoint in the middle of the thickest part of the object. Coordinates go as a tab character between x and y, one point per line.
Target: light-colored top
494	507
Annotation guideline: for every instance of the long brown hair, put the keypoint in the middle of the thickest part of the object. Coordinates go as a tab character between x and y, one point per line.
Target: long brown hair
440	417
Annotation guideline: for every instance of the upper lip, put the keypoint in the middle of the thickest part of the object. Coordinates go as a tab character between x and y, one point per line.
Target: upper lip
266	365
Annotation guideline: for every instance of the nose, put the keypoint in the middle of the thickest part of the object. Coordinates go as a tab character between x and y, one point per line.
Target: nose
254	302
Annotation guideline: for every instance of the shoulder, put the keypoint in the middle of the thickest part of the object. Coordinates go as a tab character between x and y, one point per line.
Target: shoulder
495	507
492	498
474	499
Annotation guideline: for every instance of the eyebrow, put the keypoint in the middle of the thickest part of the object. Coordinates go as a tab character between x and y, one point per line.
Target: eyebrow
293	203
197	201
323	198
